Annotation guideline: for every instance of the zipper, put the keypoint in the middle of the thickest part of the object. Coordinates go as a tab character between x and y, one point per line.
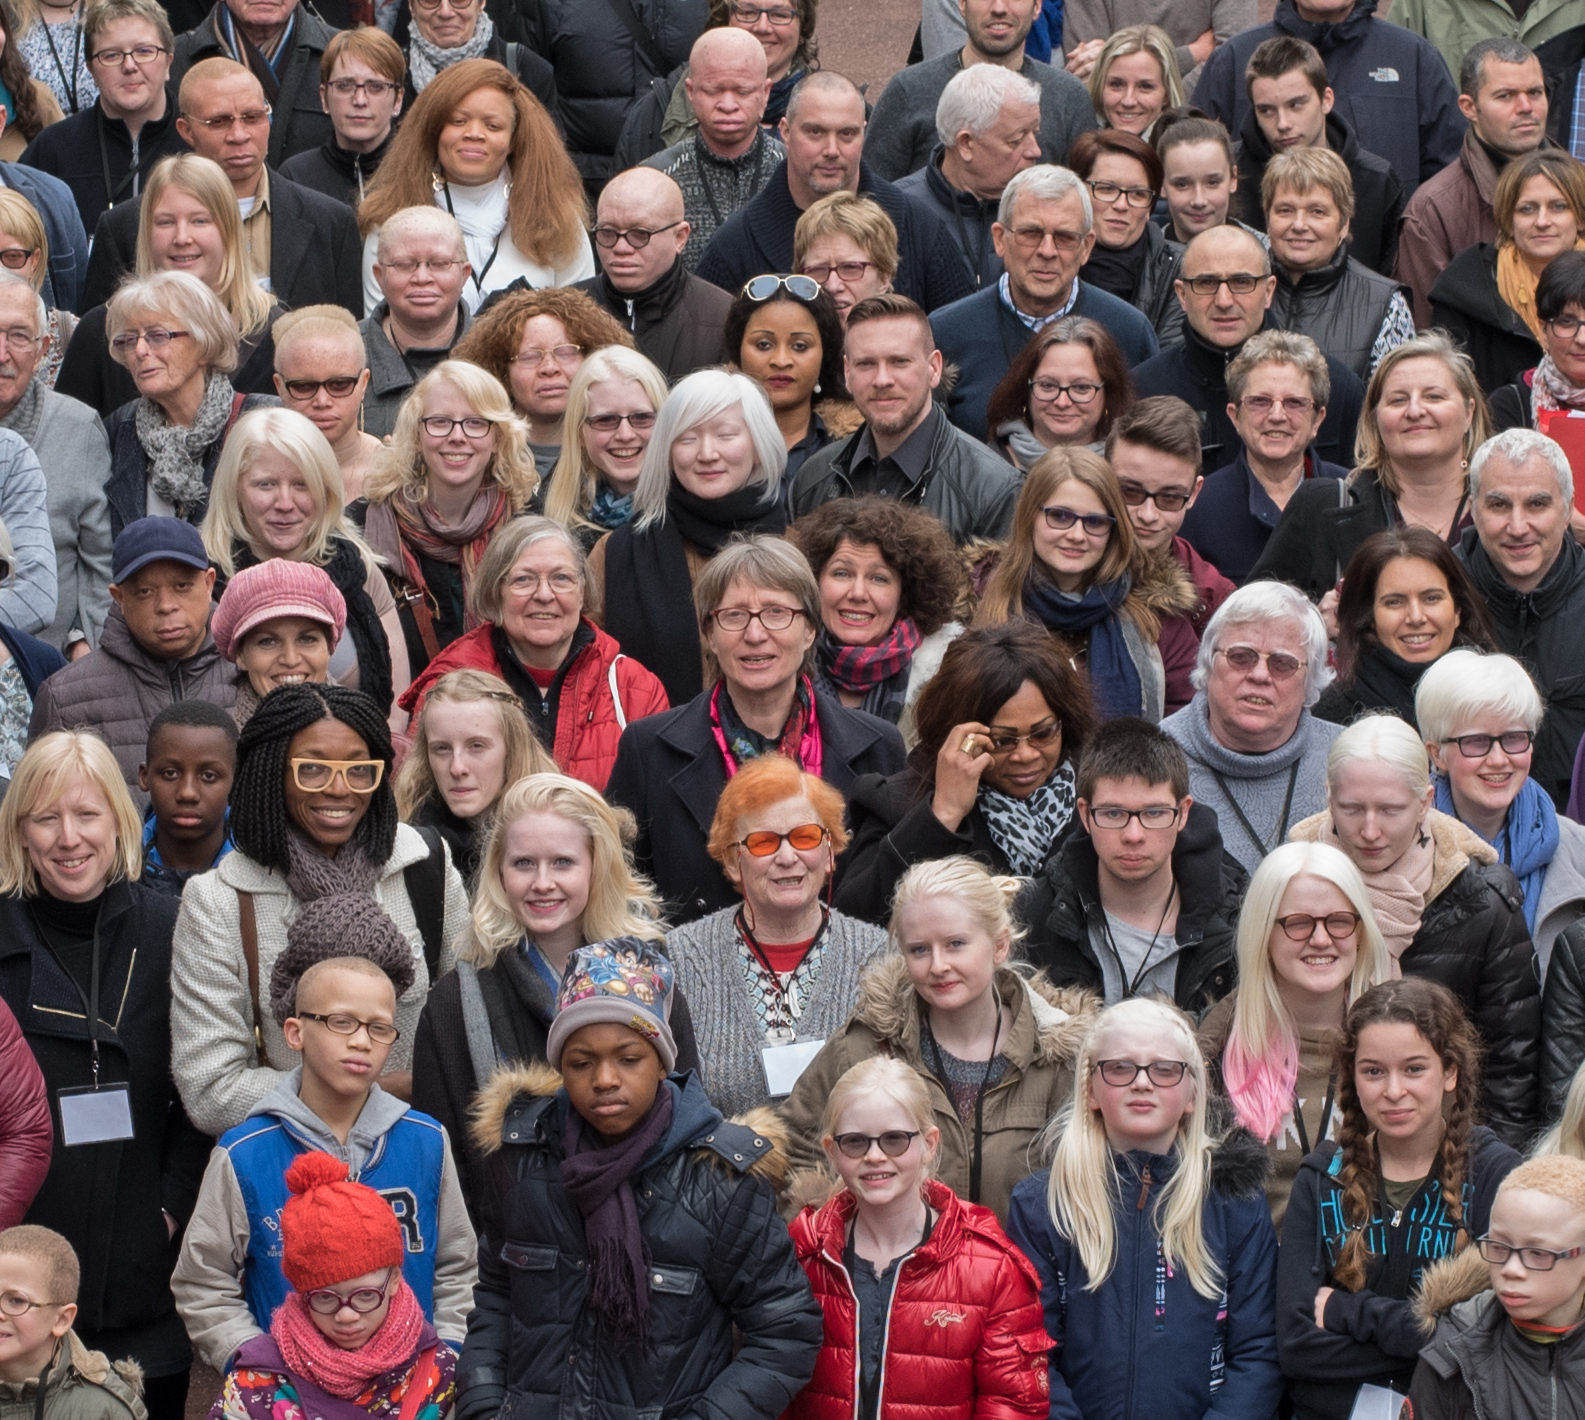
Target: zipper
1144	1190
858	1325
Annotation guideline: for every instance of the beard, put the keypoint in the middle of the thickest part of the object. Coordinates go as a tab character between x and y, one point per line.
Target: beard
888	428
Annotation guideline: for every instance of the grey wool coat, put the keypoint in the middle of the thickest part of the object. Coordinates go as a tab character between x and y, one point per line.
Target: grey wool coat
709	971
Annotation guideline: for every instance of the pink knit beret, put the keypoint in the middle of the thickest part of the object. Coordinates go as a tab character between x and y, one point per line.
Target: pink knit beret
271	589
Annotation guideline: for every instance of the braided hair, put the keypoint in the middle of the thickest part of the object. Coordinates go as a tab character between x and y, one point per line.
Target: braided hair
1435	1013
259	819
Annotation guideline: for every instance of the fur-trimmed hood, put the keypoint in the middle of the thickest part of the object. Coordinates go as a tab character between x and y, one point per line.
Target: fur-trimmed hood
1161	587
122	1379
1240	1163
1451	1282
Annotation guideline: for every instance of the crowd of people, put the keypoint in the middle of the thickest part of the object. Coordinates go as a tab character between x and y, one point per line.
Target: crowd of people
680	741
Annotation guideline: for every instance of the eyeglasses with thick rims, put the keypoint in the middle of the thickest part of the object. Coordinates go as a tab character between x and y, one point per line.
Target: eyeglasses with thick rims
1157	816
1123	1073
1260	405
225	122
637	237
337	386
1240	283
1094	524
779	15
408	268
315	776
380	1032
327	1301
763	843
1000	742
1107	193
1079	392
437	426
1532	1259
374	88
1564	327
15	258
1033	238
639	421
762	288
141	54
1479	746
534	357
894	1143
1280	665
155	338
1169	500
849	271
1300	926
15	1304
526	584
772	618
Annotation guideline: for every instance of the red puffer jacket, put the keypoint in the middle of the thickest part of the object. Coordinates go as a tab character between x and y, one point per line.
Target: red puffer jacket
966	1338
27	1136
589	721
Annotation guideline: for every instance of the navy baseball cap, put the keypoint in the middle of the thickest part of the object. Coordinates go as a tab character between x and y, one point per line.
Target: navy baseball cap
156	540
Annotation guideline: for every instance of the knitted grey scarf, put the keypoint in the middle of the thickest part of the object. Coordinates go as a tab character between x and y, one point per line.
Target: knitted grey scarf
427	60
175	454
312	875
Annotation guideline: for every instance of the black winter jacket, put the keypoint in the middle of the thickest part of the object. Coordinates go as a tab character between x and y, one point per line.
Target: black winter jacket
332	171
1321	528
1156	295
720	1261
1513	406
1060	906
601	67
1542	629
1371	1336
1562	1020
1341	308
1466	304
967	218
1378	195
676	322
109	1200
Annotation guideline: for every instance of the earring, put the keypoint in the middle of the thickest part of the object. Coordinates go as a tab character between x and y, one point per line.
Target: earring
817	386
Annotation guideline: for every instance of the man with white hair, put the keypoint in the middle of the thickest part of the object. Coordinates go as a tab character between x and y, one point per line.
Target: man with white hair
988	127
1532	576
1256	754
732	157
421	267
1044	233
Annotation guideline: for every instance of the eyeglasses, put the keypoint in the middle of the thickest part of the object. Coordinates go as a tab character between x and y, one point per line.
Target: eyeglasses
1125	1072
1479	746
636	237
1564	327
155	338
1240	283
778	15
1281	665
1169	500
1260	405
894	1143
1000	742
361	776
762	288
1080	391
1300	926
374	88
849	271
640	421
19	339
380	1032
437	426
1114	816
1532	1259
762	843
438	269
526	584
533	358
141	54
1033	238
339	386
15	1304
1094	524
15	258
1107	193
224	122
328	1302
772	618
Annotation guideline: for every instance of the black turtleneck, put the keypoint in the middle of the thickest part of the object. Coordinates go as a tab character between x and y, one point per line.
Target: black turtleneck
1116	270
653	302
68	927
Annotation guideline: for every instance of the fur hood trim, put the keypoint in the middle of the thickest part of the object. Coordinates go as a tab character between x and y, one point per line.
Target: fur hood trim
772	1165
1453	845
1447	1282
1062	1015
121	1378
840	416
1239	1164
1162	585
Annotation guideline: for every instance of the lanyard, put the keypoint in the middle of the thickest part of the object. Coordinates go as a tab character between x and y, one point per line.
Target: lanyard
1130	988
478	276
1326	1114
91	1000
704	182
939	1069
44	1380
784	1006
1249	828
68	81
113	190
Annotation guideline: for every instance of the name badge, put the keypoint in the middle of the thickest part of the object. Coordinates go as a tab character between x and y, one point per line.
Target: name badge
785	1063
90	1116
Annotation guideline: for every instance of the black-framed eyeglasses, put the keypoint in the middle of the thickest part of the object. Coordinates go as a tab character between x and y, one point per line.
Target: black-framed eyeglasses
15	258
778	15
1094	524
374	88
1122	1073
849	271
765	843
1532	1259
640	421
327	1301
1079	392
1564	327
141	54
437	426
1479	746
155	338
1169	500
1107	193
15	1304
1300	926
894	1143
338	386
637	237
762	288
1115	816
1280	665
1240	283
380	1032
772	618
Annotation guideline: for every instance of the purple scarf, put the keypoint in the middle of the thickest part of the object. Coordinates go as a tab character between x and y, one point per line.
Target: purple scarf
596	1177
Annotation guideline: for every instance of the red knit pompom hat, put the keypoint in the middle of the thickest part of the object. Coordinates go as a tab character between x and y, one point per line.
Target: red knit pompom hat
332	1229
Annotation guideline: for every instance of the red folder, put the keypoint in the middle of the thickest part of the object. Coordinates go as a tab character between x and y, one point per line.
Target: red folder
1567	429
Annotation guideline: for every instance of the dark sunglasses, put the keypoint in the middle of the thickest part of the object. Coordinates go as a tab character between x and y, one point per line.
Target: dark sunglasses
894	1143
339	387
1282	665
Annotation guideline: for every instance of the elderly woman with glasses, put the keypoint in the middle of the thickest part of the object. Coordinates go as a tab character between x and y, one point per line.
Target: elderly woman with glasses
532	597
757	609
1068	385
849	246
445	32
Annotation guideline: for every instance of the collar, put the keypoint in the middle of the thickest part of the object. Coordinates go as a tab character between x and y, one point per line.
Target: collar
911	457
981	209
654	301
1004	291
152	127
347	163
151	854
1321	278
261	198
754	153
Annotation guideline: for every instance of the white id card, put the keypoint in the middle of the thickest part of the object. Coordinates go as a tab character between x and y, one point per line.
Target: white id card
1376	1402
785	1063
90	1116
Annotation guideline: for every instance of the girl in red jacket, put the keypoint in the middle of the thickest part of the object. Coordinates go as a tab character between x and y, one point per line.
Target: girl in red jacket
927	1304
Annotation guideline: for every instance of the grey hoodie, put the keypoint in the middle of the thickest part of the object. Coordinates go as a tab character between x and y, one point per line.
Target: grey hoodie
208	1279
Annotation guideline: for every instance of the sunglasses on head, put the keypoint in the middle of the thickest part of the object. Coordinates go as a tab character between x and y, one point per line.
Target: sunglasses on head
762	288
763	843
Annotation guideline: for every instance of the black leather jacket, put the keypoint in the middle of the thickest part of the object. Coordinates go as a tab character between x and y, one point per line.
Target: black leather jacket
1562	1020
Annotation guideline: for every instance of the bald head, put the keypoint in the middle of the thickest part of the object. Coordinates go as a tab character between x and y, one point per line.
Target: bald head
726	47
728	88
209	71
640	199
223	117
1224	317
1215	246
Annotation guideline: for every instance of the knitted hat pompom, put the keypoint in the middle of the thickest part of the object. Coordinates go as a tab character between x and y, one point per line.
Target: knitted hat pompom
333	1229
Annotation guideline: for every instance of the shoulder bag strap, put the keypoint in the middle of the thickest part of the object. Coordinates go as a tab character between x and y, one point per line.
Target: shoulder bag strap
476	1024
249	927
616	695
641	37
426	891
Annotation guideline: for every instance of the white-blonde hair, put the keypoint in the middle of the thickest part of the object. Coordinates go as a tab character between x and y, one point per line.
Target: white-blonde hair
967	881
1465	684
184	300
1083	1190
1567	1136
1380	739
884	1077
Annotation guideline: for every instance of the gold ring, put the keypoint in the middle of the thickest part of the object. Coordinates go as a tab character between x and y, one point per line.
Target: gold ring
967	747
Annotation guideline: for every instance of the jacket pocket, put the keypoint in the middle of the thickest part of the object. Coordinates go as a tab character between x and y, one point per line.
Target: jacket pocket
529	1257
675	1296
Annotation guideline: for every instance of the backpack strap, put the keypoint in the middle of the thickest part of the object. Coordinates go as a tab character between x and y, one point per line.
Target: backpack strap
248	924
476	1025
236	411
616	695
426	891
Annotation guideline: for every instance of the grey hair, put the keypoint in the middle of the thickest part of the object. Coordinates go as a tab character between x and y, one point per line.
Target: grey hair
1501	48
767	563
10	278
701	396
420	221
1265	602
182	298
1464	684
485	595
974	99
1280	347
8	555
1044	182
1518	446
